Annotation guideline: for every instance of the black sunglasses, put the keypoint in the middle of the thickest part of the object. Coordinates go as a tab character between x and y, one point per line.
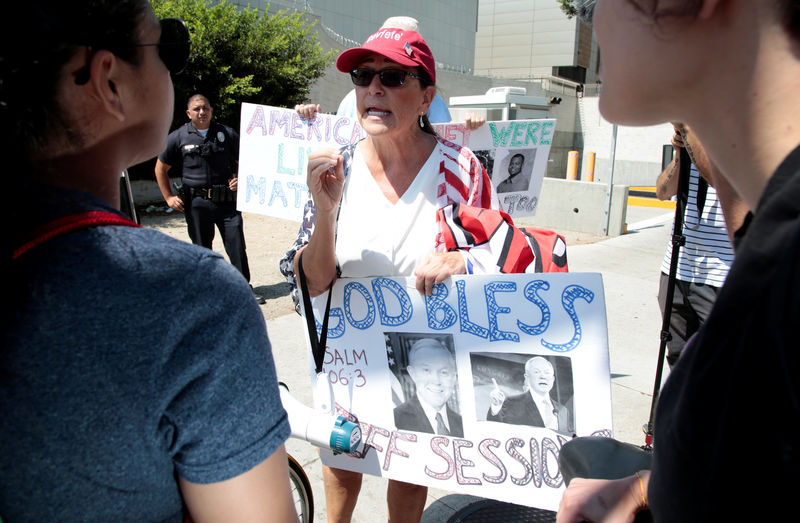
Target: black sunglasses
173	45
388	77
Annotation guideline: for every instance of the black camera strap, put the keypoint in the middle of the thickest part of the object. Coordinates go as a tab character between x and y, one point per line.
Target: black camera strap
317	342
678	241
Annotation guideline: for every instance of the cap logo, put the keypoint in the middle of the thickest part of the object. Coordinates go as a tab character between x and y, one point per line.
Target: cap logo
407	49
386	34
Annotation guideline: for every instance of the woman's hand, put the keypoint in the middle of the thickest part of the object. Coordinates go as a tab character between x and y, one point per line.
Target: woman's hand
474	121
308	111
325	178
603	500
436	268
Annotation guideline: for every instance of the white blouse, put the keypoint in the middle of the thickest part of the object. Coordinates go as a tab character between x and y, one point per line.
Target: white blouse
378	238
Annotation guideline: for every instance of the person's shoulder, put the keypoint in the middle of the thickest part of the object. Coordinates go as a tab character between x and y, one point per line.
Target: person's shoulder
347	105
173	261
402	414
176	137
180	130
410	406
455	151
447	145
518	398
226	128
438	111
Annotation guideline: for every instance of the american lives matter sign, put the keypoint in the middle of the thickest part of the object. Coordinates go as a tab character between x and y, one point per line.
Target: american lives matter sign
275	144
473	389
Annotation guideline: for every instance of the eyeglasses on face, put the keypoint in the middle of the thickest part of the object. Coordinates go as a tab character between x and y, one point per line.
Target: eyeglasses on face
173	45
389	77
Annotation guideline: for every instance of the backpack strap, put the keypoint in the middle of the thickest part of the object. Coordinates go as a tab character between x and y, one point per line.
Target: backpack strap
71	223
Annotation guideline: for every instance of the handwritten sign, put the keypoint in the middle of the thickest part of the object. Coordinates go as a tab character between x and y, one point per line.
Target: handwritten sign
514	154
275	144
273	154
481	351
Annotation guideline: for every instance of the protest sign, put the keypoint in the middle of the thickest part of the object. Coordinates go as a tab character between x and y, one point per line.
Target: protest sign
273	154
514	154
275	144
484	351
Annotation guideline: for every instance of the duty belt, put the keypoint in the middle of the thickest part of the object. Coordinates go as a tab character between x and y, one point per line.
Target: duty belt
215	193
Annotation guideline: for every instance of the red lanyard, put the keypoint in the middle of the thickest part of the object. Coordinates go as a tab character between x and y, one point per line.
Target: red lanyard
71	223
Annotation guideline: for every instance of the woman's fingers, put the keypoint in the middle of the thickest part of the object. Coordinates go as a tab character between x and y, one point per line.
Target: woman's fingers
436	269
325	178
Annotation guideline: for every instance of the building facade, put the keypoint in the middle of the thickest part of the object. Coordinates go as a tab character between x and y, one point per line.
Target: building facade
483	44
533	39
449	26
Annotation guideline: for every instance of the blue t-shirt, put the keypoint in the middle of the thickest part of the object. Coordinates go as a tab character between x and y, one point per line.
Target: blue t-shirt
129	358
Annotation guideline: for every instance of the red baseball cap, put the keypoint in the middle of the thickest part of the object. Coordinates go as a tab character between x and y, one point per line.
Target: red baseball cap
406	48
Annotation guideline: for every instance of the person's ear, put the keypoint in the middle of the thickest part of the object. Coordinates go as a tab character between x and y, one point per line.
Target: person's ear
428	94
105	77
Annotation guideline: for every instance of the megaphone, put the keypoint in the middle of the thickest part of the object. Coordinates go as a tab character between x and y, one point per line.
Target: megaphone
319	428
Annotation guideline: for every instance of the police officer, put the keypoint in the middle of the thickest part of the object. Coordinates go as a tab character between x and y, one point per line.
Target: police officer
206	154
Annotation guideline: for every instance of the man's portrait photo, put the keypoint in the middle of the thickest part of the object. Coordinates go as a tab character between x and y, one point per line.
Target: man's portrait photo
519	166
425	368
524	389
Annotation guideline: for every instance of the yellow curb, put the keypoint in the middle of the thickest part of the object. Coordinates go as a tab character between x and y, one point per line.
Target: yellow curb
640	201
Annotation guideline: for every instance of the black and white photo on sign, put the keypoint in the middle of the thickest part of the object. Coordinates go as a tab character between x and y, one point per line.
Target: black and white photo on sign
486	157
513	172
524	389
424	383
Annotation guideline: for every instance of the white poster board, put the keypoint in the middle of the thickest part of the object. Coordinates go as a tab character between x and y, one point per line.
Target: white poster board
273	154
514	154
275	143
490	325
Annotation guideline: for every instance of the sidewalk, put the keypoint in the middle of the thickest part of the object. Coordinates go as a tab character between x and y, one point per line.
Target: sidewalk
630	267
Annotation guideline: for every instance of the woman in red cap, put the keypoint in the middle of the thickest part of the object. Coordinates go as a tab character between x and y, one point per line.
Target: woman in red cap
376	206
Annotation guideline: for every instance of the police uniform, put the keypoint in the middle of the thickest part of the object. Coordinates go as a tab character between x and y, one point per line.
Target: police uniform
205	167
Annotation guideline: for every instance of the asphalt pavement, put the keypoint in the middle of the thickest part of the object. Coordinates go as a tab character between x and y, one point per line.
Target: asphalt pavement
630	267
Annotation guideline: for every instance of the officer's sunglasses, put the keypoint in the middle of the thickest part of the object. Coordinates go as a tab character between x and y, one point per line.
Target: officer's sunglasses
173	45
388	77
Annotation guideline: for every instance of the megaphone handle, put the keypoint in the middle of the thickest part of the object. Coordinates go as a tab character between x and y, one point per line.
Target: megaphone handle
350	390
323	393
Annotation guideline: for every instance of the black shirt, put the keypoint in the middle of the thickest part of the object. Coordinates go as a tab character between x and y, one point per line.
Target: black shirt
726	430
202	161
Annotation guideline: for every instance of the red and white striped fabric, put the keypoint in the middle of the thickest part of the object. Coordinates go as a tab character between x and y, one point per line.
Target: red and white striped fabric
463	179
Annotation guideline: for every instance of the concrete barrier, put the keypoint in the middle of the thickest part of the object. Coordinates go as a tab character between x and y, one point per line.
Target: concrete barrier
579	206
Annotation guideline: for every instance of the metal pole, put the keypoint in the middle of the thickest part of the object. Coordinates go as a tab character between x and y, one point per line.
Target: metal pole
610	179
